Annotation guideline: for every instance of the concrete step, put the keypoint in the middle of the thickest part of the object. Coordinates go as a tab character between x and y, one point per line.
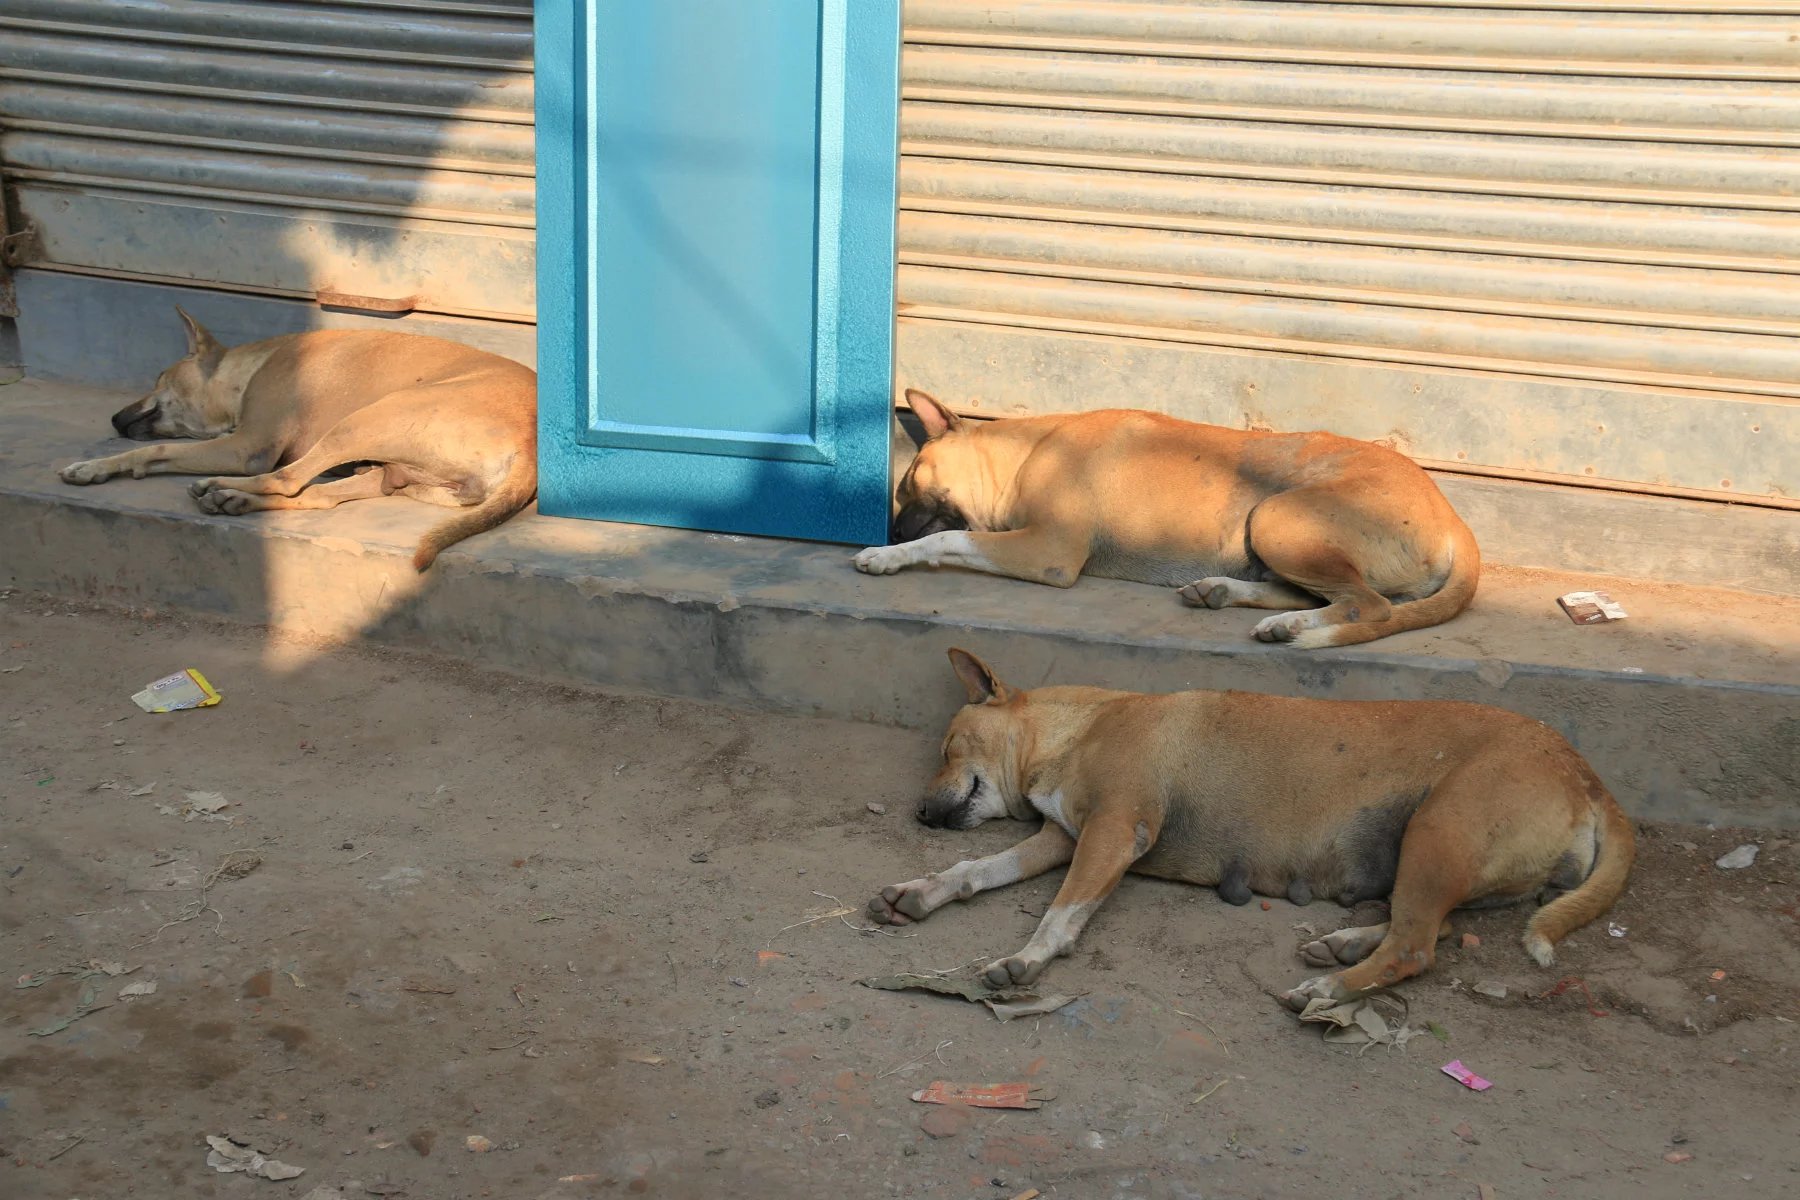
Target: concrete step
1690	708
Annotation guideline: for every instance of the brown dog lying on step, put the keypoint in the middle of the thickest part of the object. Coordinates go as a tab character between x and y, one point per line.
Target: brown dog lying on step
444	423
1231	518
1439	805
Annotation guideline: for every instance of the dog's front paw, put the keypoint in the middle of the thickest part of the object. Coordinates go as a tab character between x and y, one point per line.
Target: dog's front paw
880	560
900	903
1013	972
84	472
221	500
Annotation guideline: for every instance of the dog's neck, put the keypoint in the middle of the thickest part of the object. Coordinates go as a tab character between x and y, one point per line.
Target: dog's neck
235	371
1008	444
1060	717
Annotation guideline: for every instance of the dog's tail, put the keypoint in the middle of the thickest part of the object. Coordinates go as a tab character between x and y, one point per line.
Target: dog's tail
1614	852
1454	596
516	490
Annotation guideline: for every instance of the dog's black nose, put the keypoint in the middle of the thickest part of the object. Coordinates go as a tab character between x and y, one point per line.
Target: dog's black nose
136	416
924	814
922	517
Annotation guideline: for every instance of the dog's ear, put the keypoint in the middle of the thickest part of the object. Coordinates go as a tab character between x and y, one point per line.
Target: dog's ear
202	345
983	685
936	419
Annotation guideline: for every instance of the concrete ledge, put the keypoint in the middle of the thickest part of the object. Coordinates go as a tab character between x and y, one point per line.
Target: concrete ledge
1689	709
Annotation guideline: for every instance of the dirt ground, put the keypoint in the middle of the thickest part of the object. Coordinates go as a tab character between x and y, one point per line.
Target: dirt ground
581	926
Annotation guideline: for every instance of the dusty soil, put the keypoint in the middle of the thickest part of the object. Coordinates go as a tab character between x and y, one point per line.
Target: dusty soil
577	925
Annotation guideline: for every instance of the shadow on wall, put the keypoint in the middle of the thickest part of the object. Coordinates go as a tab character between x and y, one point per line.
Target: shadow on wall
272	167
432	154
381	158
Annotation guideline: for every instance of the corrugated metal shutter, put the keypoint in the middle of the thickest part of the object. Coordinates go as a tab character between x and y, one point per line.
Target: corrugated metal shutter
1544	240
377	151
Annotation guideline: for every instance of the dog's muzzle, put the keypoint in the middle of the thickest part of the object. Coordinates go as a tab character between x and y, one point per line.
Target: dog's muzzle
135	419
938	817
921	517
949	807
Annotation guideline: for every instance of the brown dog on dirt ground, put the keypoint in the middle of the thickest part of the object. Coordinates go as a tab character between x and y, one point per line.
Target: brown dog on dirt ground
1440	805
443	422
1229	517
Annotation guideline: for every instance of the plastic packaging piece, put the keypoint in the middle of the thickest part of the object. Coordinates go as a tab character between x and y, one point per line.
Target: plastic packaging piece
184	689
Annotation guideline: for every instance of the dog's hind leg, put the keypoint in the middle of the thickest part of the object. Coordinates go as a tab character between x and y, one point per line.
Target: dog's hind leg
1299	541
1110	842
1438	870
365	485
903	903
1224	592
381	433
1347	947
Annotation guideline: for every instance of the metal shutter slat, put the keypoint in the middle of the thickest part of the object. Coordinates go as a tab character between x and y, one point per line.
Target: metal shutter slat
1573	209
379	148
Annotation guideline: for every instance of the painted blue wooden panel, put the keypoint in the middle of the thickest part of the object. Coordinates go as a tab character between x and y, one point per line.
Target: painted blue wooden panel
716	263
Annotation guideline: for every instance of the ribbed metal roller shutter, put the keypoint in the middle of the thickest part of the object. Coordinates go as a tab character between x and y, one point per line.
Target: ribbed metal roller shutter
1543	240
376	153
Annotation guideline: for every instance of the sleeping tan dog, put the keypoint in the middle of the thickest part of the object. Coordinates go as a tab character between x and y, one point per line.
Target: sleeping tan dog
444	423
1439	805
1354	539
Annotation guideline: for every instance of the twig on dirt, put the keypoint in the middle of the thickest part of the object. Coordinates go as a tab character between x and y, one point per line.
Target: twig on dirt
1571	981
529	1034
359	857
956	968
1209	1091
79	1138
202	903
674	976
516	996
842	912
1197	1017
842	909
813	920
937	1050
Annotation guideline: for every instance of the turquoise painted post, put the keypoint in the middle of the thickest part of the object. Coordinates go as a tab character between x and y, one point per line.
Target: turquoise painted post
716	262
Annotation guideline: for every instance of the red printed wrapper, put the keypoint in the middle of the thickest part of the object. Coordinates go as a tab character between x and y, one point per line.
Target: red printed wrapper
1466	1077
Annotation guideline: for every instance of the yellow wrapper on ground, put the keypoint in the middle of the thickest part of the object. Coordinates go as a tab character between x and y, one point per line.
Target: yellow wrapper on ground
184	689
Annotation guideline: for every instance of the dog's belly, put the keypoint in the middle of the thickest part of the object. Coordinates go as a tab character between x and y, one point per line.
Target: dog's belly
1349	860
1164	570
1181	864
1243	874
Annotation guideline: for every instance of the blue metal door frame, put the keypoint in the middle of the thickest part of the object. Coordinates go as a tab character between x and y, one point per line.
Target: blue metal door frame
716	263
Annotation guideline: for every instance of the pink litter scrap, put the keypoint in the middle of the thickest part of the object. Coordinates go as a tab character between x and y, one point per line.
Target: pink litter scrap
1466	1077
